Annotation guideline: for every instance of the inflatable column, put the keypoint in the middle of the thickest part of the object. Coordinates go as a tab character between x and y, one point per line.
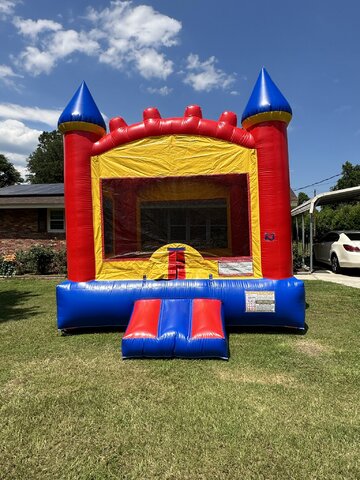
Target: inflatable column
266	117
82	125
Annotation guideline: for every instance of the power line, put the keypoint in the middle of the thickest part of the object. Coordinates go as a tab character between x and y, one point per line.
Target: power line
317	183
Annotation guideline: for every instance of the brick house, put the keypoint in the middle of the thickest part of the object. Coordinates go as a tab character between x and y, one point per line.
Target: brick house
31	214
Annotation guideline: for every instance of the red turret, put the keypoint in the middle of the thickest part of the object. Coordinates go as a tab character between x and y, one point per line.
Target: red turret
82	125
266	117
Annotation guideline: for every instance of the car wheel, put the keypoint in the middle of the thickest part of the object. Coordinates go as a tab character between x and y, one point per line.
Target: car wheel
335	265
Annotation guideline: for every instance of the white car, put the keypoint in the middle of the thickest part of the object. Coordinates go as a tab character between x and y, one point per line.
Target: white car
340	249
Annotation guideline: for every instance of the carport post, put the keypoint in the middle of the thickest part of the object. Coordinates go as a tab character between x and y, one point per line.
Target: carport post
303	240
297	229
311	242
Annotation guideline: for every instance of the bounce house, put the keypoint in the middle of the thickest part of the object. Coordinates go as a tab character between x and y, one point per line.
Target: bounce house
178	228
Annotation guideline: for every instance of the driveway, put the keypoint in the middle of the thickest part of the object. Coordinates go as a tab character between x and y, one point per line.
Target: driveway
351	279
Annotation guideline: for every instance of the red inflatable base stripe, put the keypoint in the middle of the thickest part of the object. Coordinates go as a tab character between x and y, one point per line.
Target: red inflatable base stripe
206	319
144	320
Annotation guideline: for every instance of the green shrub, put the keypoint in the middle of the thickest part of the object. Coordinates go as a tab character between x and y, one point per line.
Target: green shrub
297	260
43	258
40	260
7	266
24	262
59	262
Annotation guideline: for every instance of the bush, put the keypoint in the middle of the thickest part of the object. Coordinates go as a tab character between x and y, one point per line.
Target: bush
297	260
59	263
7	266
23	262
40	260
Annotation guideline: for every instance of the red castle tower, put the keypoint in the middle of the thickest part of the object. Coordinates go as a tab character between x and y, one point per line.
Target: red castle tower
82	125
266	117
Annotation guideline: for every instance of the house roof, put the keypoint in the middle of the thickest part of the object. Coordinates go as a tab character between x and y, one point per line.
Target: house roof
293	198
45	195
33	190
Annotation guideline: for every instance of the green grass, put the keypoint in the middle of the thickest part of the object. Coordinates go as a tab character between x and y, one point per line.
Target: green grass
283	407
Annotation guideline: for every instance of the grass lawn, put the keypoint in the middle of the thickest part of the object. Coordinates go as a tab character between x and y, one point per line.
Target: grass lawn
285	406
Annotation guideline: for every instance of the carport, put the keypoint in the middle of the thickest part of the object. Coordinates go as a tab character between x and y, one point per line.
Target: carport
327	198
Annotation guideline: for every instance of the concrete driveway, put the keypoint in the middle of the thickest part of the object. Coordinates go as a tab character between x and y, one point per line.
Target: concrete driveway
350	279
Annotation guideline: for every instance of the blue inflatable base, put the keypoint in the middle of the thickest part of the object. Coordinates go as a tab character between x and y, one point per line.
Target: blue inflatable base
255	302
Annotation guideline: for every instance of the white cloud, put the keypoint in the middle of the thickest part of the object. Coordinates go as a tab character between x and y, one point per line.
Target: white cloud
125	36
32	28
140	26
164	91
17	138
122	35
152	64
29	114
204	76
134	36
7	75
66	42
7	7
18	160
35	61
42	55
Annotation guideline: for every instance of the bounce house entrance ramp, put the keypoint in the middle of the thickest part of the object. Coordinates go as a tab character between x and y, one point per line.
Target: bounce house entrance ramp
183	328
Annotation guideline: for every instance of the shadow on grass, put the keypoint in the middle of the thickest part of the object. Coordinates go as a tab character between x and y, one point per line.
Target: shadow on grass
91	330
12	305
268	330
239	330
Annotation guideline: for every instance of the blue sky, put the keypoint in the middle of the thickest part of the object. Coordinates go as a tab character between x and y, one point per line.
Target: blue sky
171	54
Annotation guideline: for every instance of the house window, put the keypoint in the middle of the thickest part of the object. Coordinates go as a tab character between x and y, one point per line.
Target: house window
56	220
201	224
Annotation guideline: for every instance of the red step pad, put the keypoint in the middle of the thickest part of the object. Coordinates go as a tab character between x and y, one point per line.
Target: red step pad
206	319
144	319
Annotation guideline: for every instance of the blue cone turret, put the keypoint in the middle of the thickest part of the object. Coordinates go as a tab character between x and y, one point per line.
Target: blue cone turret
266	103
81	113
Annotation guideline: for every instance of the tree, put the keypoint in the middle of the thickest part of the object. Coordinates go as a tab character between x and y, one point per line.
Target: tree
8	173
302	198
350	177
341	216
46	164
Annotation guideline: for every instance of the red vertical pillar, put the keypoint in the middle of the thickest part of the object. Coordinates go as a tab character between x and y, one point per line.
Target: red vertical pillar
274	198
78	205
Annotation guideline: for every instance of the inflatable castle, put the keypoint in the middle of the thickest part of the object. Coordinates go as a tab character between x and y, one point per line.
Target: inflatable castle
178	228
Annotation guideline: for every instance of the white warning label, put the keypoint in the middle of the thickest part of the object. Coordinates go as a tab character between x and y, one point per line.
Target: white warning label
235	268
260	301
